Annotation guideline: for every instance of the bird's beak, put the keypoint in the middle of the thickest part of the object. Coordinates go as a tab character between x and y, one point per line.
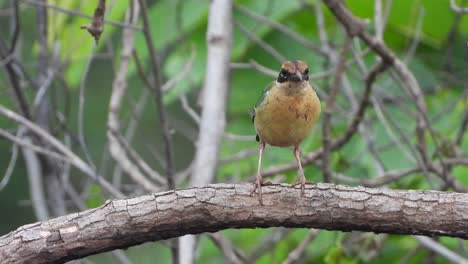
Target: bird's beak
297	77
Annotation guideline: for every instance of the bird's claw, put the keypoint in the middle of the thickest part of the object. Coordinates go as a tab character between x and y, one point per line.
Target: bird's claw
302	183
258	185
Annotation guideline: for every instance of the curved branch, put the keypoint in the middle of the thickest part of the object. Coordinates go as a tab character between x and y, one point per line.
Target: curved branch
128	222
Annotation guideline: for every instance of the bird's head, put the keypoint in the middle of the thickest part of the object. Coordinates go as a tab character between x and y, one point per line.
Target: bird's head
293	72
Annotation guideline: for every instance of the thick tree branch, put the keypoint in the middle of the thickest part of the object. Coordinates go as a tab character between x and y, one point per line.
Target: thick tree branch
128	222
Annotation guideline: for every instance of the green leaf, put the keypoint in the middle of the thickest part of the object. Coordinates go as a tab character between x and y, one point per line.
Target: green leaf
95	196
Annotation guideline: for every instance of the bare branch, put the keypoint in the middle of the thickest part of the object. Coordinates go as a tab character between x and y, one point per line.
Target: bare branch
268	243
219	41
463	126
17	140
254	65
231	254
120	150
213	101
81	106
124	223
283	29
158	94
188	109
182	74
74	159
379	25
20	99
386	178
131	130
321	27
330	107
36	186
11	166
417	34
443	251
265	46
295	255
16	30
75	13
457	9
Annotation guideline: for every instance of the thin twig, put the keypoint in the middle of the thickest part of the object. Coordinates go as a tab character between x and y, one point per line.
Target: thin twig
36	186
243	154
16	27
265	46
378	20
283	29
158	94
131	130
81	105
182	74
256	66
74	159
75	13
414	44
120	150
295	255
14	80
232	255
189	110
457	9
330	107
321	27
11	165
463	126
25	142
441	250
268	243
386	178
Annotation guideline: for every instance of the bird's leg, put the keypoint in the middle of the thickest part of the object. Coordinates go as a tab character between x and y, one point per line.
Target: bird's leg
258	181
302	179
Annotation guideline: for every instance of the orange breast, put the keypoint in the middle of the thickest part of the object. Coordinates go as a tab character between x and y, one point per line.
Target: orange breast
285	119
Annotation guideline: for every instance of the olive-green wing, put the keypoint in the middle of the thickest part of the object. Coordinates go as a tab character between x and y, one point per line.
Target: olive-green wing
259	102
261	99
264	94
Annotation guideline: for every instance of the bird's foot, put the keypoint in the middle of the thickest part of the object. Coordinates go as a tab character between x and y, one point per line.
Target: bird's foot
302	183
258	185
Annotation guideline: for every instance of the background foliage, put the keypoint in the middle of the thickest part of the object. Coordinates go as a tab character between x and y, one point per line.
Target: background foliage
427	33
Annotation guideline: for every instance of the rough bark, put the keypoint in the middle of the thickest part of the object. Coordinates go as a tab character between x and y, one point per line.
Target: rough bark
127	222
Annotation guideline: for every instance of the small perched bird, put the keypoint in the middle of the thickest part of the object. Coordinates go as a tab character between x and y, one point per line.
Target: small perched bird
285	114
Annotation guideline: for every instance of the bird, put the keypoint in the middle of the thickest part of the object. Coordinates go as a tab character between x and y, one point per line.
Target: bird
285	114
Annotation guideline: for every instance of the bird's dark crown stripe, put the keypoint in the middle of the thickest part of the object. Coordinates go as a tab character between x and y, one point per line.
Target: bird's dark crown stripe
290	68
293	66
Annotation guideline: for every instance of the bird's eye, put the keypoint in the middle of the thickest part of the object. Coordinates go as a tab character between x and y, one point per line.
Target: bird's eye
283	76
306	74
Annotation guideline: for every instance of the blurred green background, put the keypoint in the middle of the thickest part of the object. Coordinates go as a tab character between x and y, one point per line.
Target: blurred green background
439	63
